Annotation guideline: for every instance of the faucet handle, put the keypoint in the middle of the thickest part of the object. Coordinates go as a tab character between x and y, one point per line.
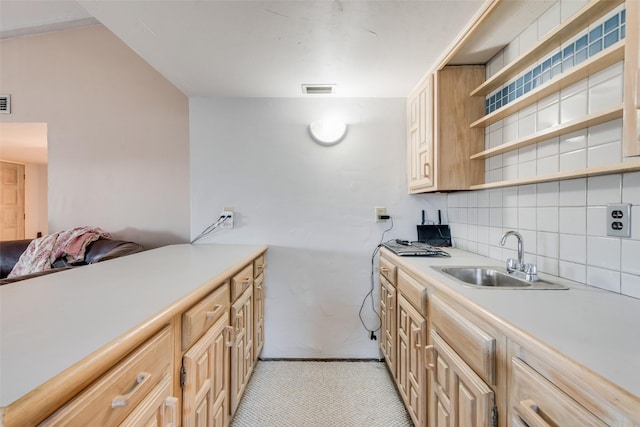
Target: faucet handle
512	265
531	272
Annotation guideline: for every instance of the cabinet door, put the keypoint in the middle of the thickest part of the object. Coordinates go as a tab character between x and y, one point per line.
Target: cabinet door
206	371
420	137
459	397
258	312
242	349
411	370
388	324
158	409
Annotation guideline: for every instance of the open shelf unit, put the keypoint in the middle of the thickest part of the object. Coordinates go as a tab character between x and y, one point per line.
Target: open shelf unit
561	129
631	166
553	40
596	63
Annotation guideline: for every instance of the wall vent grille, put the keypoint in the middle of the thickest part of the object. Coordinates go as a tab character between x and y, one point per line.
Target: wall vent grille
318	89
5	104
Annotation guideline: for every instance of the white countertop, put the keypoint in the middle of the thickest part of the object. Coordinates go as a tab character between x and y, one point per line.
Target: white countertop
50	323
598	329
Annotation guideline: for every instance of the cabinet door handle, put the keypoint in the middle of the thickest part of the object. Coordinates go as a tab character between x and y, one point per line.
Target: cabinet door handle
429	350
172	402
426	170
215	311
528	411
384	269
389	305
416	337
123	399
228	331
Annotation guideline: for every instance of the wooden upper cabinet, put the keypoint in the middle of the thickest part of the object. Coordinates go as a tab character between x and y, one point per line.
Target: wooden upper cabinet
440	141
420	137
631	118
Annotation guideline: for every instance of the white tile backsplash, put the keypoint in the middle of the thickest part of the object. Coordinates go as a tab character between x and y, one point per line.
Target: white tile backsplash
630	260
573	160
573	248
573	271
603	252
563	225
604	189
605	154
573	220
605	279
573	192
548	193
630	285
596	221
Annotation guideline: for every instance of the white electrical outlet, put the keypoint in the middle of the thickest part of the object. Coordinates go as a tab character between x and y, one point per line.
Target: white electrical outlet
619	220
228	213
380	210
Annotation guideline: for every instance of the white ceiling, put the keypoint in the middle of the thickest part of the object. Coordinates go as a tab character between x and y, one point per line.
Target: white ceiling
270	48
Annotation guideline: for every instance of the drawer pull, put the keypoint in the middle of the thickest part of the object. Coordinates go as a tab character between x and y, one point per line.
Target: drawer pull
123	399
215	311
429	351
384	269
528	411
172	402
416	337
228	330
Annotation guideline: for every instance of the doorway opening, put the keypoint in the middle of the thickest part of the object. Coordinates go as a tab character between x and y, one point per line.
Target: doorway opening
24	180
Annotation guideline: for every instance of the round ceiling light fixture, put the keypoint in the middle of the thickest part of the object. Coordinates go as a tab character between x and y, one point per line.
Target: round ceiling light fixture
328	131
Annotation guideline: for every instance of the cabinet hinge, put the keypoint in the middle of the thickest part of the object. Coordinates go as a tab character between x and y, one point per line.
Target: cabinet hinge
494	416
183	376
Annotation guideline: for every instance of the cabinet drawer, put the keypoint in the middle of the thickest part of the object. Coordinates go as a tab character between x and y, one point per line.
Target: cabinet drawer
475	346
535	401
204	314
258	266
111	398
241	282
159	408
412	290
388	270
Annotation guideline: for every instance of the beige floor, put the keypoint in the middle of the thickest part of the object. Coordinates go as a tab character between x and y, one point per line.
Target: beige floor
319	394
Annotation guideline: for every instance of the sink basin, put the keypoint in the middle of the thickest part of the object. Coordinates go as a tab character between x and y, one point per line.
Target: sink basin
494	278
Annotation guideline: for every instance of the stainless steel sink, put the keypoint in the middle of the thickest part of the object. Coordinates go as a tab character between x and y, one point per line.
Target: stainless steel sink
494	278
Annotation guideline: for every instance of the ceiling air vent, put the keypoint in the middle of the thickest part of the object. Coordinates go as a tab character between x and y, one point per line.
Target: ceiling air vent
318	89
5	104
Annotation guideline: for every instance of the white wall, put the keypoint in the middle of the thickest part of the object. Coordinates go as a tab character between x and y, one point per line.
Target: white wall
118	138
35	189
313	206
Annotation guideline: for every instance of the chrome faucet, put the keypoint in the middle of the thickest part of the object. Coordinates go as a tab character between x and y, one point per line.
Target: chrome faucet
519	268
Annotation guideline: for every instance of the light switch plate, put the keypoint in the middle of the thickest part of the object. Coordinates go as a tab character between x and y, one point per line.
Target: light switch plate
619	220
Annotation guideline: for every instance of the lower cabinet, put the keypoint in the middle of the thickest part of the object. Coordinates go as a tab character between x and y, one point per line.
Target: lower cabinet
410	365
242	360
458	396
205	368
258	315
388	330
